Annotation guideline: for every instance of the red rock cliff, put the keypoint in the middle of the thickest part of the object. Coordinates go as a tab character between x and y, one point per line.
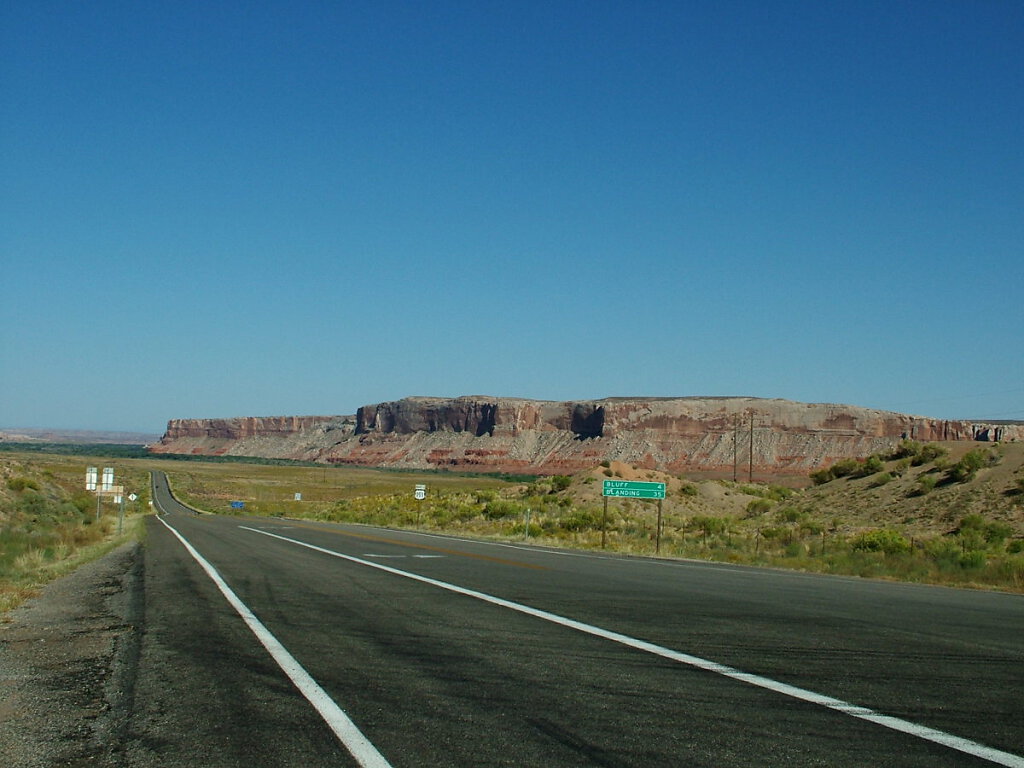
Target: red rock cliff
509	434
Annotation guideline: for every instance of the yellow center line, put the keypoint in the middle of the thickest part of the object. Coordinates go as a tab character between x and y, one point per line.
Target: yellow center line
427	547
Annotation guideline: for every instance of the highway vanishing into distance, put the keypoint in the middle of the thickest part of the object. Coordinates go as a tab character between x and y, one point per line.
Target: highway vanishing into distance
282	642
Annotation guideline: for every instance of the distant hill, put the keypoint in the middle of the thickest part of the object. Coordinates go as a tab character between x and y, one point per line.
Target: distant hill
76	436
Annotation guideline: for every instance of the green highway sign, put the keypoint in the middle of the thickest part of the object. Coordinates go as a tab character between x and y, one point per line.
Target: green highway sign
633	489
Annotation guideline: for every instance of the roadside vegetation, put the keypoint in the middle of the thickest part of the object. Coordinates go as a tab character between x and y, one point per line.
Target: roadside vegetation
943	514
48	524
948	513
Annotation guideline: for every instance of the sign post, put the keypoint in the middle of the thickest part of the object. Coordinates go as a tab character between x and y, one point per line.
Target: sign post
632	489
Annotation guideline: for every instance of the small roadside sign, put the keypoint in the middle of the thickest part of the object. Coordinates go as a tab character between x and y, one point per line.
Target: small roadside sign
132	497
633	489
420	492
237	504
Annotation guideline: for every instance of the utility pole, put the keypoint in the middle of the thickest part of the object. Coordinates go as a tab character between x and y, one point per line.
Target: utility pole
750	477
735	450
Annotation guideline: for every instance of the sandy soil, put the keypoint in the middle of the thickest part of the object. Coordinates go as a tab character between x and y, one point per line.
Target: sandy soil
67	661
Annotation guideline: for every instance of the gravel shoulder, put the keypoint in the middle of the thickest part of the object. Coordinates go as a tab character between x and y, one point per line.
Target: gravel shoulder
68	661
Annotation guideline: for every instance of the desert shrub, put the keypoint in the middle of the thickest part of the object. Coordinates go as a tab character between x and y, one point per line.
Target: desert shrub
707	524
972	559
33	504
486	496
789	515
845	467
758	507
18	484
881	479
900	467
688	489
926	483
822	476
560	483
1011	569
977	531
978	458
927	453
882	540
906	449
609	473
606	463
520	529
810	528
1015	546
499	509
872	465
942	549
582	519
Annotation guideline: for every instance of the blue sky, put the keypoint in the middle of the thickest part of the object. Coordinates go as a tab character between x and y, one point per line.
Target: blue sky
221	209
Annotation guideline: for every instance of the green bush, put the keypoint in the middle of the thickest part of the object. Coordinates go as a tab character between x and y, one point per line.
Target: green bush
900	467
972	560
883	540
906	449
500	509
758	507
881	479
929	452
942	549
708	524
560	483
582	519
822	476
845	467
872	465
978	531
978	458
789	515
21	483
926	483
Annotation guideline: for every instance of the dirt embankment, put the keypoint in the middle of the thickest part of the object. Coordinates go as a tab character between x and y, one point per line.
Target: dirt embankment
67	666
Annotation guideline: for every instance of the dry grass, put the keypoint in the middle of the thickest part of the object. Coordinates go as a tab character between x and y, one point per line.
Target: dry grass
48	523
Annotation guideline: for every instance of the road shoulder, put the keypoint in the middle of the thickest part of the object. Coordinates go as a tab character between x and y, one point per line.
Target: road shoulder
67	666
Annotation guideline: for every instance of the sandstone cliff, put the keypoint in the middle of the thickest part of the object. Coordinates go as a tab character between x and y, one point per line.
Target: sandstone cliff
689	434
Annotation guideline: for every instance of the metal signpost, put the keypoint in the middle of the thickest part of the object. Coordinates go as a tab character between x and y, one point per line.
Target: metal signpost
120	523
632	489
102	486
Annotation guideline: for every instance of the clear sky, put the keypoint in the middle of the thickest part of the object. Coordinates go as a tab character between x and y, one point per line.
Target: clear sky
217	209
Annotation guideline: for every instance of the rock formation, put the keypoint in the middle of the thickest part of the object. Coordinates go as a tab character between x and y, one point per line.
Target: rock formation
487	434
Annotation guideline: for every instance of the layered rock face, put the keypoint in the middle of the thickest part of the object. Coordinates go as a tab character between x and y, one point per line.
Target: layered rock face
514	435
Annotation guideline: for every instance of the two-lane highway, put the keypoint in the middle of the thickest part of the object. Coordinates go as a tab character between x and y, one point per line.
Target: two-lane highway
440	651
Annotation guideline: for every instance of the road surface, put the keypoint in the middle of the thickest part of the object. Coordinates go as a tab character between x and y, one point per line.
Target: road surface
410	649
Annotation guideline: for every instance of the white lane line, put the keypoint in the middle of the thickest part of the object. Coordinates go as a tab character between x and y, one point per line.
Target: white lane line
355	742
863	713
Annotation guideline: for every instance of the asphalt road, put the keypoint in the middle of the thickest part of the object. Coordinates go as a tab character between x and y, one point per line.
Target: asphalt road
504	655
